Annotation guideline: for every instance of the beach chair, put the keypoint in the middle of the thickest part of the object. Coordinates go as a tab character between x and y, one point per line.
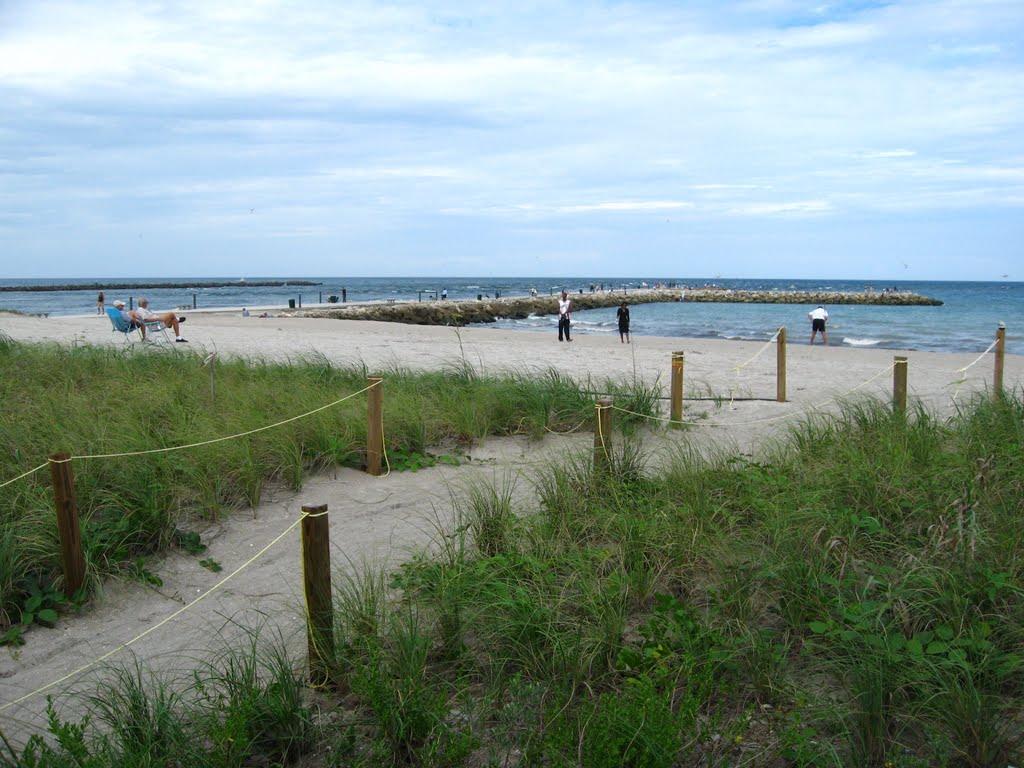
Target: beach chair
123	326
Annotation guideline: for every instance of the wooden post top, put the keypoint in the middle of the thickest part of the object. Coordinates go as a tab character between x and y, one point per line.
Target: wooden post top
314	509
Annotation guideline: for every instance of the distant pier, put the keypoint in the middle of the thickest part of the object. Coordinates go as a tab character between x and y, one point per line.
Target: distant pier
151	286
464	312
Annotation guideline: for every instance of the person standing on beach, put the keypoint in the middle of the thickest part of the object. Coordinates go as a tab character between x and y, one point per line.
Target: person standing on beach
818	318
101	301
623	315
564	311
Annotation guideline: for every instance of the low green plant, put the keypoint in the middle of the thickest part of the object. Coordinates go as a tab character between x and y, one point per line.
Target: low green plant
134	506
853	597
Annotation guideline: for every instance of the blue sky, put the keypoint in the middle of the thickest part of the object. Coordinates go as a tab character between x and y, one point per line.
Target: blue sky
761	138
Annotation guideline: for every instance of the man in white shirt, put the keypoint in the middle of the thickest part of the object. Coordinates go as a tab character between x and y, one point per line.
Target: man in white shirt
818	317
564	310
169	319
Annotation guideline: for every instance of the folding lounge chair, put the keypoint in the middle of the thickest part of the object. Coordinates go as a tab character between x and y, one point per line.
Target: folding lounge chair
122	325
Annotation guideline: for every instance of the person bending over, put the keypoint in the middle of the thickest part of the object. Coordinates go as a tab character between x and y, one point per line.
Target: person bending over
818	318
169	319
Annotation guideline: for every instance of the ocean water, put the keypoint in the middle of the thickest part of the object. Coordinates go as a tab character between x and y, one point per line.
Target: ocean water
965	323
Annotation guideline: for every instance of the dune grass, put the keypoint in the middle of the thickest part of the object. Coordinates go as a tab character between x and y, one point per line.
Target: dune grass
90	400
854	599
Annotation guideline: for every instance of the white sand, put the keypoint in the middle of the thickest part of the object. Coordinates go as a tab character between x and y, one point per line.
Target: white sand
375	518
814	374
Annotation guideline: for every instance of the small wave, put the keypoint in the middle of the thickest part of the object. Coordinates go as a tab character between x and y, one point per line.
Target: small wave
861	342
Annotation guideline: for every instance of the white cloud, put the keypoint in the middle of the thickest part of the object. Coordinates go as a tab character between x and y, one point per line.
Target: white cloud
389	113
801	207
626	205
886	153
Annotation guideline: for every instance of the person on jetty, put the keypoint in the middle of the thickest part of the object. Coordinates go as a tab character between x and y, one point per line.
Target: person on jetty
564	312
623	316
170	320
818	318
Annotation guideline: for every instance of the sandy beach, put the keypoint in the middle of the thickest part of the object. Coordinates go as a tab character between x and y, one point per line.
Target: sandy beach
713	367
378	519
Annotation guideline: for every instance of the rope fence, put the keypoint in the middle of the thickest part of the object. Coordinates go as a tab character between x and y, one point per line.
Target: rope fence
23	475
757	354
169	449
163	622
315	531
68	522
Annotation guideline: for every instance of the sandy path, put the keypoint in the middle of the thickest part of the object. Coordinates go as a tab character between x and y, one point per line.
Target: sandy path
378	519
373	520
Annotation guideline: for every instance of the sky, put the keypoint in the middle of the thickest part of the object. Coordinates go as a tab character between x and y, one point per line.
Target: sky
759	138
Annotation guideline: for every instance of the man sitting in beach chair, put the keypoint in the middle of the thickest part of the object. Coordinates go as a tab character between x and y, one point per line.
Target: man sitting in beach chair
159	320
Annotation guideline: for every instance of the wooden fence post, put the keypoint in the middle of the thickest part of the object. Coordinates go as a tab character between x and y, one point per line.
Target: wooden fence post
780	365
64	501
997	375
602	433
678	361
316	577
899	384
374	424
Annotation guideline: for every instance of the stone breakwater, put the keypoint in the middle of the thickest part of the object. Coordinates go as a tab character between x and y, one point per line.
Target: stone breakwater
465	312
890	298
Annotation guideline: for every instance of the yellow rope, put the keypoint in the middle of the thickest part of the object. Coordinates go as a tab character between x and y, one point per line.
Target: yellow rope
758	353
383	443
162	622
737	368
23	475
566	432
759	421
600	432
222	439
978	359
960	382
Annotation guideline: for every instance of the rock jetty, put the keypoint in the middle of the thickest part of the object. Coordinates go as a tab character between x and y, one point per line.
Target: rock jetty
150	286
465	312
888	298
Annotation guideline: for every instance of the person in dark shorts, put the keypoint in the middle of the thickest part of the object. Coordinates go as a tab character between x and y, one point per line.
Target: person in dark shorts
623	315
818	318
